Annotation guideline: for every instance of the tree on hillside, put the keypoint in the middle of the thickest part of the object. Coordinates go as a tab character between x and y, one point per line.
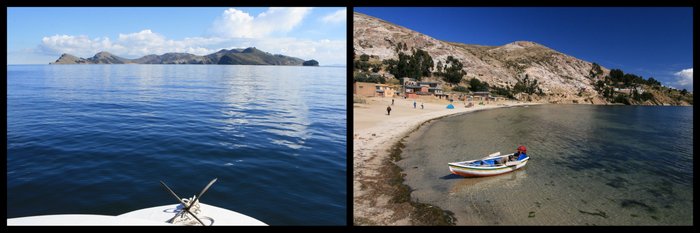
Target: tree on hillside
415	66
460	89
621	99
599	85
476	85
616	75
651	81
361	65
403	66
595	70
453	72
372	78
423	62
375	67
364	57
647	96
392	67
527	86
636	96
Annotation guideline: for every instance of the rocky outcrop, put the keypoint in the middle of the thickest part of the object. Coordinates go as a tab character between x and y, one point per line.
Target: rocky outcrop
248	56
107	58
69	59
310	63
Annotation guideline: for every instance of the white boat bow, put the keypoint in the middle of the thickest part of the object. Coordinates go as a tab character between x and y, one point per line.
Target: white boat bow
158	215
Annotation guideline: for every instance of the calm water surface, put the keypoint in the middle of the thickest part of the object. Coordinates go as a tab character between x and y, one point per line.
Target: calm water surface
96	139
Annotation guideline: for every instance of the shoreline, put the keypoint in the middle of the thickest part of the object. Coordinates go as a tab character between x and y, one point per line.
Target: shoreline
379	195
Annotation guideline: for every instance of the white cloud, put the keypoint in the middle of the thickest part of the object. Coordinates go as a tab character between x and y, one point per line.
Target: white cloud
234	23
72	44
326	52
145	42
335	17
130	45
684	79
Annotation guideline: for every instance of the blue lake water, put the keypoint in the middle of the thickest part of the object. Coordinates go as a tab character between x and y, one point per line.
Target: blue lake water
590	165
96	139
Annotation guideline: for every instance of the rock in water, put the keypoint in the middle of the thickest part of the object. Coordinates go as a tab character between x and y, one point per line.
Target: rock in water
310	63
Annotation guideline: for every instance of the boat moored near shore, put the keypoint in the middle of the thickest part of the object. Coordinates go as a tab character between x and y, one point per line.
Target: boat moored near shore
488	166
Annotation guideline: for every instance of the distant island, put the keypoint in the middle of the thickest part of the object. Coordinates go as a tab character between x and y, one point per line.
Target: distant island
248	56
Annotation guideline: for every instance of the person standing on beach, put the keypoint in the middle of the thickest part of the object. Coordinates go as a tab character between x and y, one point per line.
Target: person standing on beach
392	101
414	104
421	105
388	110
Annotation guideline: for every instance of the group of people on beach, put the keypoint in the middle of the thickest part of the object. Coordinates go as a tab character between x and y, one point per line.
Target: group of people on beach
388	108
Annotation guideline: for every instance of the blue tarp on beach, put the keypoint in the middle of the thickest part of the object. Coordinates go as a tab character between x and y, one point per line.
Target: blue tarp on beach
450	106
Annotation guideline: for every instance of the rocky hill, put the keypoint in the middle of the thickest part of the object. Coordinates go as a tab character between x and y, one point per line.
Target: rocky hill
248	56
561	78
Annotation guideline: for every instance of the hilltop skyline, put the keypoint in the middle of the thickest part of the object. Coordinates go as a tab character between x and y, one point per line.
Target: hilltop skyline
40	35
648	41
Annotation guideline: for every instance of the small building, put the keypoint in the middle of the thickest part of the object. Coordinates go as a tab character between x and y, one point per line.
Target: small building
623	90
384	90
433	87
373	89
480	95
412	88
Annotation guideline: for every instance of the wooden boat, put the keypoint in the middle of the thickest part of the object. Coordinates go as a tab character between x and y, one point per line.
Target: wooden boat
487	166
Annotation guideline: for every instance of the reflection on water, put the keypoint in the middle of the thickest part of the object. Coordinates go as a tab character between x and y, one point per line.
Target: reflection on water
282	97
509	180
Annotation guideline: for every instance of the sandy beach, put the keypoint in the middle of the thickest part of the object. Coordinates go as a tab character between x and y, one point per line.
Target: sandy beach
374	133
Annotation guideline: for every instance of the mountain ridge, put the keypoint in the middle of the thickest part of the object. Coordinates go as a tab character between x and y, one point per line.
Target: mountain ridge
247	56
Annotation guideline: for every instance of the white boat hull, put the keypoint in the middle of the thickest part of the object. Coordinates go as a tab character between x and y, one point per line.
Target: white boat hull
158	215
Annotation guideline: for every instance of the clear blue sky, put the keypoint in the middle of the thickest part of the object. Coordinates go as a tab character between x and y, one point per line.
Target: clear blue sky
649	41
40	35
